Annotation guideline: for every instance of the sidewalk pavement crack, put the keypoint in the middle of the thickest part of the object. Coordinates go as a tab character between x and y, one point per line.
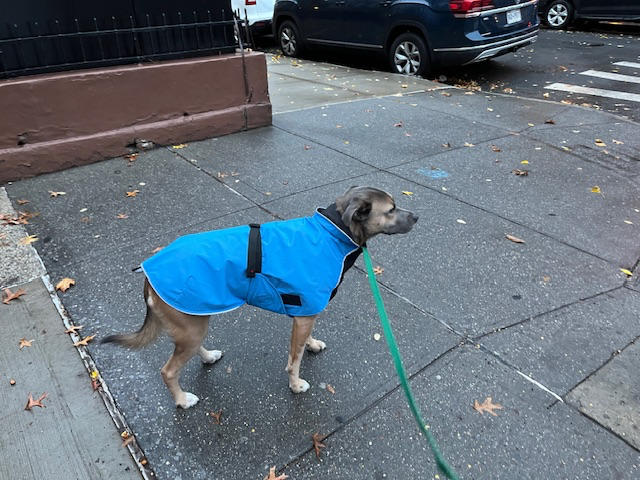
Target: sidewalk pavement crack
499	329
373	404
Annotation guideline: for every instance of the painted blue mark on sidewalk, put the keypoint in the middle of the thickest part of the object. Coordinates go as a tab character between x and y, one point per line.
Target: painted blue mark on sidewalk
433	173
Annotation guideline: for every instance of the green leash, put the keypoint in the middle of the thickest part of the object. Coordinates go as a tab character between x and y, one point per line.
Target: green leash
443	466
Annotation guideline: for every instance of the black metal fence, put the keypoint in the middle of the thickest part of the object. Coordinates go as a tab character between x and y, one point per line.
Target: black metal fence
38	36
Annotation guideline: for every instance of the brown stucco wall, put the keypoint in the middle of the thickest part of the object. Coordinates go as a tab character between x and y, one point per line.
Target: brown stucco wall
74	118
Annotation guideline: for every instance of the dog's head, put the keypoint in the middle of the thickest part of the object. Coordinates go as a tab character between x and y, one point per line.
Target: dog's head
368	211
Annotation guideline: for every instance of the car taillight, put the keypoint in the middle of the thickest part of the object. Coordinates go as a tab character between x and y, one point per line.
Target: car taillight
470	6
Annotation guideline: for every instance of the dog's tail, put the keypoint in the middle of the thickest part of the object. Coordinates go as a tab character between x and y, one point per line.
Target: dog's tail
149	331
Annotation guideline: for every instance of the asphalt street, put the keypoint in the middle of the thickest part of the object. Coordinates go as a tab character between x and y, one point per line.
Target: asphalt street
548	328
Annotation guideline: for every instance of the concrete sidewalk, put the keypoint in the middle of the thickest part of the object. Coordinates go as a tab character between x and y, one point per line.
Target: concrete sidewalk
547	328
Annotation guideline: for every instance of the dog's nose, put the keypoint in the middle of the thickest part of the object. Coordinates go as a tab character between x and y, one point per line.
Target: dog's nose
414	217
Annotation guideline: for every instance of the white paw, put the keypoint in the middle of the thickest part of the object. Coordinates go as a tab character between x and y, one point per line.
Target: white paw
211	356
316	346
299	386
188	401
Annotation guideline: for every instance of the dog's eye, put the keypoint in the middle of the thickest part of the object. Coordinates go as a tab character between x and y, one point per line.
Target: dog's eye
391	211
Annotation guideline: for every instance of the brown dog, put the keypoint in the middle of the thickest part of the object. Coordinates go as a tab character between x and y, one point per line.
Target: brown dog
355	217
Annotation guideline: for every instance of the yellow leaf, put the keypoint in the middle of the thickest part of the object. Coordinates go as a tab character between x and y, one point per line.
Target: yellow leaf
94	374
600	143
65	284
179	146
408	194
525	162
28	240
628	273
566	148
595	189
531	124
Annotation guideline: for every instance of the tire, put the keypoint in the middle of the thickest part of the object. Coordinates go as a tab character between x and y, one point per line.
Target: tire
558	14
409	55
289	39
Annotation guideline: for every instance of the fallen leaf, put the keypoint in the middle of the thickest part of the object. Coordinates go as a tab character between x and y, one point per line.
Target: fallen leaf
73	329
399	124
514	239
446	145
131	157
12	382
407	193
496	148
122	216
56	194
35	403
23	201
508	90
628	273
95	384
133	193
595	189
600	143
617	142
550	121
489	109
28	240
404	85
12	295
331	389
216	416
65	284
446	94
221	175
545	95
525	162
127	440
85	341
156	250
307	147
520	173
179	146
467	144
378	270
94	374
317	443
628	222
272	475
546	278
24	343
531	124
461	221
566	148
486	406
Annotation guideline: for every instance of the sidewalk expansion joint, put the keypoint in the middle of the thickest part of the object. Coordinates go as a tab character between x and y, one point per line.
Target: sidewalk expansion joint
499	329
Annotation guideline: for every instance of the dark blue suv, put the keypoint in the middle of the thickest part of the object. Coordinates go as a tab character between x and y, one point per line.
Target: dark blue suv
415	35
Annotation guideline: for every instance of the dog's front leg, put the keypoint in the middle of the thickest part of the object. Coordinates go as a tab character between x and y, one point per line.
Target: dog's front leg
300	333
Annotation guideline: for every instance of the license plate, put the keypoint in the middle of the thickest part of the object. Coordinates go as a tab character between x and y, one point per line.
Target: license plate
514	16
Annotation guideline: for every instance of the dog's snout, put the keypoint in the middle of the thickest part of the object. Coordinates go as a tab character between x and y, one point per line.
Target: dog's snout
414	218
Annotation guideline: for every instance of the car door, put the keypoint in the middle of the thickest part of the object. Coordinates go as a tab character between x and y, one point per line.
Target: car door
321	20
365	22
608	8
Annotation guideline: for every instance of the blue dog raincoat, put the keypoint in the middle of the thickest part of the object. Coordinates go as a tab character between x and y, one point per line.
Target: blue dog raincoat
302	263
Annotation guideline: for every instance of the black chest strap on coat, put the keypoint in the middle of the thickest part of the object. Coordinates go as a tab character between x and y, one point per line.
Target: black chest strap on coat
254	251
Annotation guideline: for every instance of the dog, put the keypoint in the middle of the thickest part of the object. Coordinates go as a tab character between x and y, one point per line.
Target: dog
292	267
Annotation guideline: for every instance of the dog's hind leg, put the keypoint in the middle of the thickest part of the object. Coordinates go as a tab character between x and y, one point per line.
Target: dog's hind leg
188	341
300	333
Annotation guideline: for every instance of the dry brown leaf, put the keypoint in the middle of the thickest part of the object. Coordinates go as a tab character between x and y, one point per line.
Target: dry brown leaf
127	440
9	295
486	406
85	341
133	193
35	403
514	239
520	173
550	121
378	270
73	329
317	443
156	250
399	124
217	416
131	157
272	475
495	148
56	194
122	216
22	201
65	284
24	343
446	145
331	389
600	143
95	384
28	240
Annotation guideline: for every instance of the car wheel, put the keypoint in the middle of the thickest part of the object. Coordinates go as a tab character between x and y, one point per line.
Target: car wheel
558	14
409	55
289	38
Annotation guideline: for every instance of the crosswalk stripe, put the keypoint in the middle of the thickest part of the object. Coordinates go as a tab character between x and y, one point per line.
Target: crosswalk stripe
628	64
612	76
598	92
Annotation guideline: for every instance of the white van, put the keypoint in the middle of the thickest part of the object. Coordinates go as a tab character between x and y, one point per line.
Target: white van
259	13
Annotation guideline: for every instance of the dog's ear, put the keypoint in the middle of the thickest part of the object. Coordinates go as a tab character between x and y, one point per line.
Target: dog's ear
357	211
342	202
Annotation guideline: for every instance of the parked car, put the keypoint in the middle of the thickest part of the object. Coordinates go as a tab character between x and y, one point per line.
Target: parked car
561	13
258	12
415	35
